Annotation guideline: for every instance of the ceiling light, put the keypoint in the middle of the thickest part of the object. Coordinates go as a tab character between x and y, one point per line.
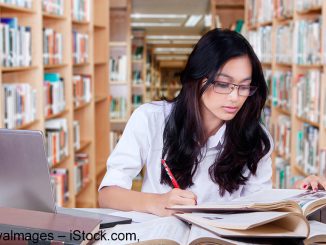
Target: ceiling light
172	37
159	16
172	57
144	24
193	20
158	42
184	41
208	20
172	50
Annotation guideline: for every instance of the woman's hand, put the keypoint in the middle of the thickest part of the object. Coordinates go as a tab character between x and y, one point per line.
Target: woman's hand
174	197
314	182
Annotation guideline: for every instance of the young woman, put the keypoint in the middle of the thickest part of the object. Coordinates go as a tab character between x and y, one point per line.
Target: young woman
210	136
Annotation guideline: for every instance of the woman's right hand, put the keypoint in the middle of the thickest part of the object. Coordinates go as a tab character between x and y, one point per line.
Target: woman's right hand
174	197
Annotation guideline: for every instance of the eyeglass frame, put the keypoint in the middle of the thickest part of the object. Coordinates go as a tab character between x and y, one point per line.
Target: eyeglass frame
235	85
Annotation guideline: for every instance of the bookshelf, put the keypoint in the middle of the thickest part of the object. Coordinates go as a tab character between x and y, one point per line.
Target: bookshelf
138	66
120	64
76	79
101	86
297	90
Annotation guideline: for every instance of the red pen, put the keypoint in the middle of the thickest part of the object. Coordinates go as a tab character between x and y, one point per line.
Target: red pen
168	171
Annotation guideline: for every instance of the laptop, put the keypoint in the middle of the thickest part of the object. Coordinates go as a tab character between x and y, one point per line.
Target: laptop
25	178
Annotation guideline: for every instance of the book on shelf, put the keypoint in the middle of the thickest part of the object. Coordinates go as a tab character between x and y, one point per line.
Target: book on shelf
28	226
304	5
114	138
56	133
282	173
80	44
76	128
284	9
307	42
261	41
118	108
118	68
284	43
82	92
19	104
307	148
80	10
60	185
15	41
308	88
54	94
281	89
52	47
18	3
322	162
262	214
81	169
53	7
282	136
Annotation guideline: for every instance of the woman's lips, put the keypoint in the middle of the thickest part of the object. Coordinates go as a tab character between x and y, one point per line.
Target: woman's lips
230	109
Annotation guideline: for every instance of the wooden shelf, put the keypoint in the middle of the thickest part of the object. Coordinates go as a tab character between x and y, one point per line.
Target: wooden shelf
60	114
81	106
99	26
284	111
99	63
118	83
12	7
309	66
122	120
83	145
80	22
84	187
93	120
55	66
101	169
81	64
27	125
65	158
18	69
100	98
53	16
308	121
310	11
118	44
300	170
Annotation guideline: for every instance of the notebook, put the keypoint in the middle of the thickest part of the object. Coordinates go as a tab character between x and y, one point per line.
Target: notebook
25	179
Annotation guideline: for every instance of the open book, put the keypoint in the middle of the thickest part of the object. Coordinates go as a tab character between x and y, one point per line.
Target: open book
172	231
297	201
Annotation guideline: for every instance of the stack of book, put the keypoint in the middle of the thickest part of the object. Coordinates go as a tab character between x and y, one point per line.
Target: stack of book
15	43
56	132
53	7
54	95
60	185
19	102
81	171
52	47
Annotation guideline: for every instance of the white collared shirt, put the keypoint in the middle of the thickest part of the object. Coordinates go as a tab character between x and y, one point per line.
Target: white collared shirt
141	144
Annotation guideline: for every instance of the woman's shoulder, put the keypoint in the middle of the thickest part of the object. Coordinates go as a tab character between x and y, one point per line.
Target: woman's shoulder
161	108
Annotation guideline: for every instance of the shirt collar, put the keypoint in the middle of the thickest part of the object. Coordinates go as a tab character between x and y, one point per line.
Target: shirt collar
217	139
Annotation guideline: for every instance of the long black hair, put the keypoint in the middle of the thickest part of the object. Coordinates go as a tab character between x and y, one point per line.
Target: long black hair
245	140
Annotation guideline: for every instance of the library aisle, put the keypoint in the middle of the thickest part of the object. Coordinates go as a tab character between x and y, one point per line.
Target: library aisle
77	69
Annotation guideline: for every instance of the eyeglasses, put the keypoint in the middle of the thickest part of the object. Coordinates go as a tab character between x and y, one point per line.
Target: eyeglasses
227	88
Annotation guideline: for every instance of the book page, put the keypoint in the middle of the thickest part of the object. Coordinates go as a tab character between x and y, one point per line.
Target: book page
236	221
167	228
268	196
317	229
308	199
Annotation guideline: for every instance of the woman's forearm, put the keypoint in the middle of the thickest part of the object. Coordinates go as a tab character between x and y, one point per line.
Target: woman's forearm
119	198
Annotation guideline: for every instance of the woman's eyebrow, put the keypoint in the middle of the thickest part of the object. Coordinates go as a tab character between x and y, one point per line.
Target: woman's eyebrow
225	75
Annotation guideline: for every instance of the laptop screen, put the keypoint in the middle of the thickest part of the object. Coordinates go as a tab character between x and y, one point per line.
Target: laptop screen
24	175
